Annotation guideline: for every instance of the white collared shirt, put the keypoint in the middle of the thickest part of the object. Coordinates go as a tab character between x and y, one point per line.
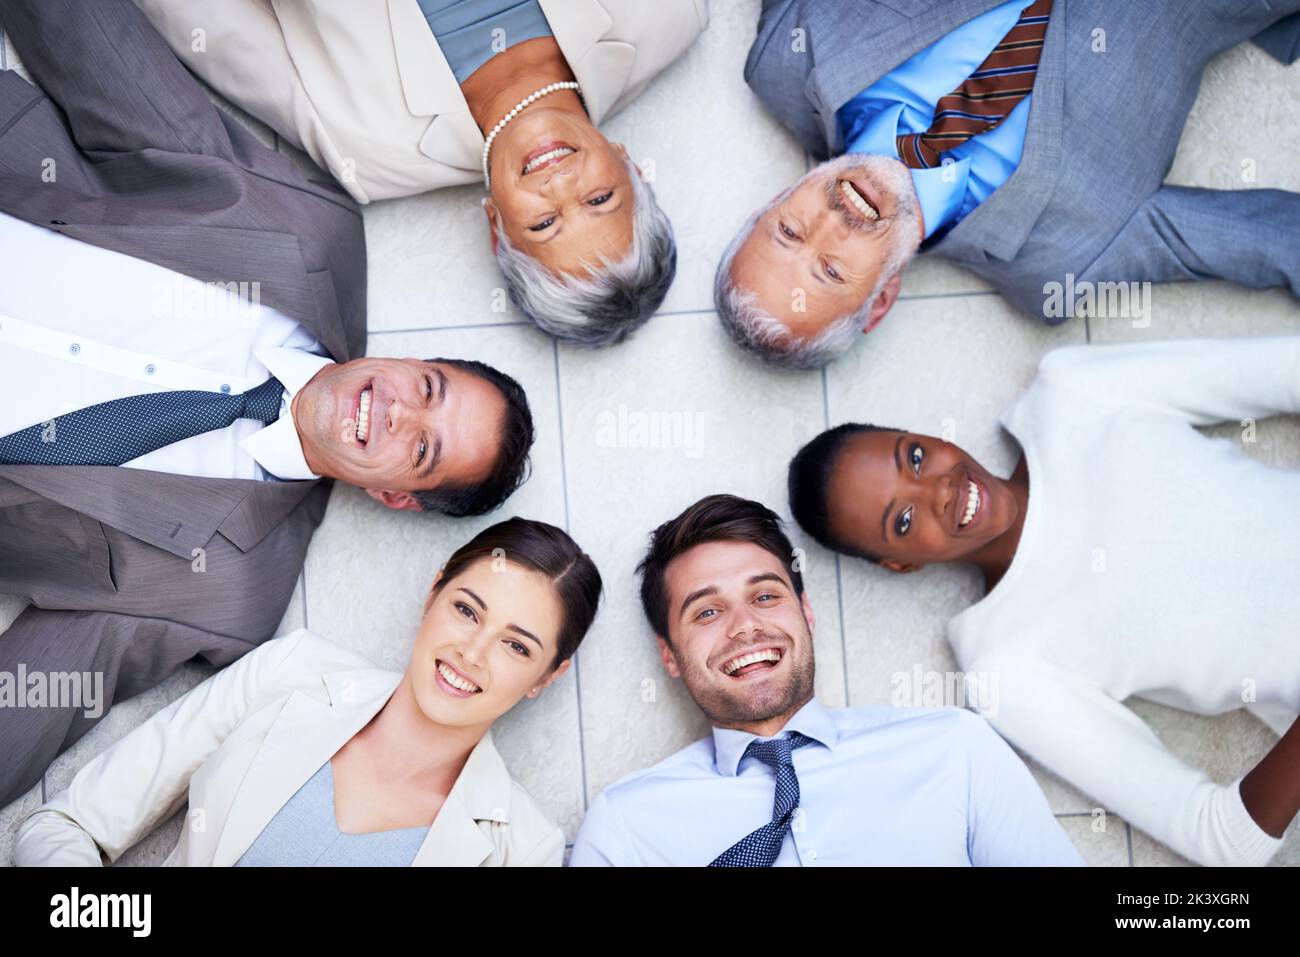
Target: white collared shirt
86	325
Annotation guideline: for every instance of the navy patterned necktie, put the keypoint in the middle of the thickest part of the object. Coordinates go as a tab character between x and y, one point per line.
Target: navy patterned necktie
111	433
760	848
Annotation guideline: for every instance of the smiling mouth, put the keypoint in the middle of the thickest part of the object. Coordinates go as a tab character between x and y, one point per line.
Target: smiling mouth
548	154
364	399
858	200
752	662
455	682
974	499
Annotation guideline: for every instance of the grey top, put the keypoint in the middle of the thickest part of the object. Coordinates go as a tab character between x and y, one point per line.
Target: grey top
304	833
471	32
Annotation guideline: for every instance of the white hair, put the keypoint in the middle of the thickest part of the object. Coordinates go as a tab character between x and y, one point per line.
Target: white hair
760	333
617	297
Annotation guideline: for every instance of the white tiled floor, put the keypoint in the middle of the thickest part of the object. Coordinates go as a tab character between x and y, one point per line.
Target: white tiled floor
951	355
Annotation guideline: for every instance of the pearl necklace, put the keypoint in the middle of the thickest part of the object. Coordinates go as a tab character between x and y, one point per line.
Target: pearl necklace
527	101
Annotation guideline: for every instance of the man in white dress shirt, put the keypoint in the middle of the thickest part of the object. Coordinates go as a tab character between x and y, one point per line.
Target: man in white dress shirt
160	263
783	780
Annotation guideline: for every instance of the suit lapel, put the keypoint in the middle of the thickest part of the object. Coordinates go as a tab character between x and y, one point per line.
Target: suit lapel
481	793
177	513
1000	225
307	732
846	64
601	67
430	86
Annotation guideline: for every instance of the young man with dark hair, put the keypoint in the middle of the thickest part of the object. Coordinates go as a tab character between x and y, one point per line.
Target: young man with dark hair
783	780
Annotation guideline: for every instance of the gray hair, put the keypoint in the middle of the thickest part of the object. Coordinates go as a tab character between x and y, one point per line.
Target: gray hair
619	295
760	333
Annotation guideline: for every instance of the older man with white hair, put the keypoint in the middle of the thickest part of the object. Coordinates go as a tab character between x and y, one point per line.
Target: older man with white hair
1025	140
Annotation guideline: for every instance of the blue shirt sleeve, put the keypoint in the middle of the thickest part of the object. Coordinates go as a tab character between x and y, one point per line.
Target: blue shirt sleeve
602	839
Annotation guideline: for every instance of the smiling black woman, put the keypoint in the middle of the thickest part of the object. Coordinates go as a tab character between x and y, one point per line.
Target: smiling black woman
1126	556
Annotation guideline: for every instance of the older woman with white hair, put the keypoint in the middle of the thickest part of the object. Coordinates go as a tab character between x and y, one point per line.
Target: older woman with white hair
407	96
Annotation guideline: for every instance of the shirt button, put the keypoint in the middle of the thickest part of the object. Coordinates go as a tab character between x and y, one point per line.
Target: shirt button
74	348
150	369
812	856
225	387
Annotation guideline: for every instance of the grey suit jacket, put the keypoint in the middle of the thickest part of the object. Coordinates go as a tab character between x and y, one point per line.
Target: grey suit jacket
133	572
1087	197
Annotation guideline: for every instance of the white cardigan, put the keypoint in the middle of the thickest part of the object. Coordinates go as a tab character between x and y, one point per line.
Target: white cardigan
1155	562
241	743
362	86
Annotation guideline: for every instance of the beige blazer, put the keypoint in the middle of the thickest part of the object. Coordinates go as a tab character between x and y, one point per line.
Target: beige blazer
362	86
240	744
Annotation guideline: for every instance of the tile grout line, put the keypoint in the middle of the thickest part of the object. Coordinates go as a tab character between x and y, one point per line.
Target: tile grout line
839	580
43	797
468	325
1128	839
564	486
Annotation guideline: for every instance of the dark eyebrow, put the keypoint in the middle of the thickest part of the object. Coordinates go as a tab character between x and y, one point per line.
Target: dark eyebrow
442	384
767	577
527	634
898	464
523	631
695	596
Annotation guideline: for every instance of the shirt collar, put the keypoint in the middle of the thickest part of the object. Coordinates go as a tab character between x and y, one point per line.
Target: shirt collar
812	720
278	447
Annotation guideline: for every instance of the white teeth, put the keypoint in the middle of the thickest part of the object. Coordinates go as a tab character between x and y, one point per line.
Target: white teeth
455	680
556	153
363	416
972	504
735	664
858	202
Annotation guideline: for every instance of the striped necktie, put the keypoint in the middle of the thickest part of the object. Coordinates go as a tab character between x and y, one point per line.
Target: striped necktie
987	96
120	430
759	848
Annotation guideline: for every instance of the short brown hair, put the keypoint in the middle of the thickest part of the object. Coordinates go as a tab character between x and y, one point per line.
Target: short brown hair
715	518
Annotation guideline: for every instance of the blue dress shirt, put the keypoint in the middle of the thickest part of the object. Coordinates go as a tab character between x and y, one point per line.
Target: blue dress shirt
878	786
903	101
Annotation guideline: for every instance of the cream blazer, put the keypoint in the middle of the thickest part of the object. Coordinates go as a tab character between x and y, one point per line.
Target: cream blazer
240	744
362	86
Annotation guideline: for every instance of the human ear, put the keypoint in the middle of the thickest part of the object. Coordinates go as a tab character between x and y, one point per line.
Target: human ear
402	501
884	302
894	566
808	614
490	209
668	658
560	669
